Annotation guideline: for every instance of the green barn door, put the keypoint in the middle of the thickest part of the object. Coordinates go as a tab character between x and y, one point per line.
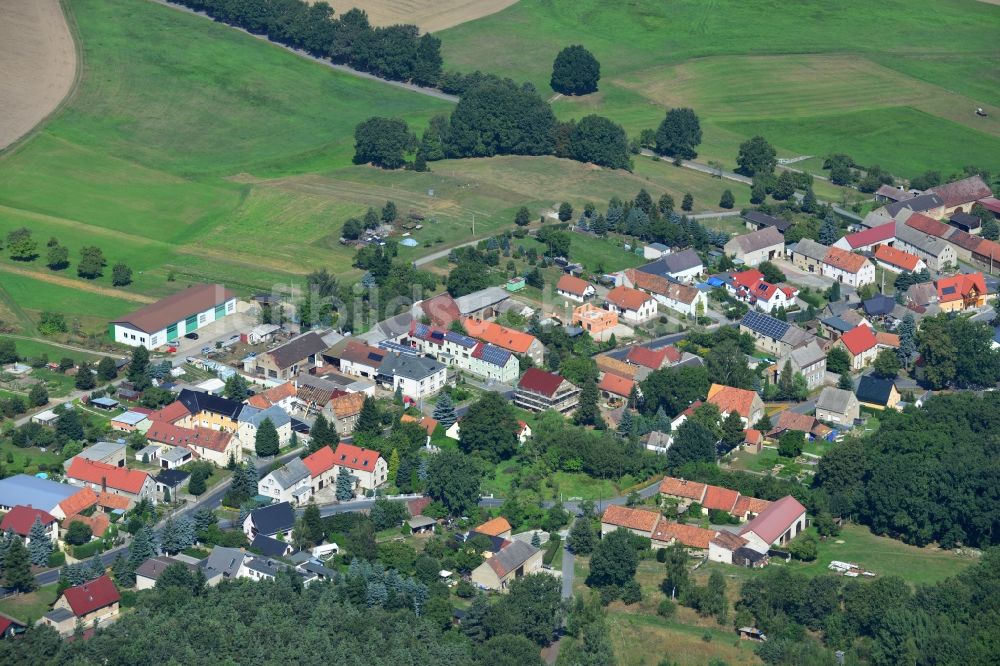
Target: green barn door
191	323
172	332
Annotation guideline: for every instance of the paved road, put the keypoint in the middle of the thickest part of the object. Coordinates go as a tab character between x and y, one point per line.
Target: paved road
567	570
430	92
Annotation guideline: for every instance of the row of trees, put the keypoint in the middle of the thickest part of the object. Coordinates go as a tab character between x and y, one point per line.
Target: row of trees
397	52
23	247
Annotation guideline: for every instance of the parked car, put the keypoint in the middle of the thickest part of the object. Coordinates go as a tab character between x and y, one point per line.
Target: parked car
191	336
206	350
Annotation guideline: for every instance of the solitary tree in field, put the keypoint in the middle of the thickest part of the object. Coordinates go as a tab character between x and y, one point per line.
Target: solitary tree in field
756	156
21	245
679	134
383	142
121	275
727	201
523	217
575	71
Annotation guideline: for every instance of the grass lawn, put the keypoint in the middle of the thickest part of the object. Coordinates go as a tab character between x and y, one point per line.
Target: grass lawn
639	640
29	607
27	461
801	76
886	557
35	348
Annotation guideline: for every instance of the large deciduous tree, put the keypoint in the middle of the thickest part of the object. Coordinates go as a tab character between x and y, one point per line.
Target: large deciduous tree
756	157
614	560
453	480
679	134
489	428
575	71
600	141
384	142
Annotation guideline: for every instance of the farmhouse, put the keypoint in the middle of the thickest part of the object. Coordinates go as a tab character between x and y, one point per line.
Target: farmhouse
935	252
808	255
637	521
756	247
514	560
683	298
757	221
837	406
367	467
847	267
131	484
166	320
539	390
575	289
88	604
898	261
612	385
889	194
961	194
631	304
867	240
299	354
776	525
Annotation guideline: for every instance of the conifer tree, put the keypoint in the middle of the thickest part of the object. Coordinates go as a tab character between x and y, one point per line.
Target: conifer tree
39	544
368	421
267	443
444	411
321	434
345	485
17	567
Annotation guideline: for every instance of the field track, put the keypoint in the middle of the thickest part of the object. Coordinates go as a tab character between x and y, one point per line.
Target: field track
38	65
75	284
428	15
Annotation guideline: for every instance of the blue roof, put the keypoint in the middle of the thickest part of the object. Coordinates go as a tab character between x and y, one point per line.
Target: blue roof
715	281
838	324
30	490
765	324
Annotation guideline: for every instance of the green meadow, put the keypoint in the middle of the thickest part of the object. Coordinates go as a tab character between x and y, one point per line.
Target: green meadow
801	74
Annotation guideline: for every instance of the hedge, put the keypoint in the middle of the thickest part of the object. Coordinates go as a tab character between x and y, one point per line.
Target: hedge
57	559
88	549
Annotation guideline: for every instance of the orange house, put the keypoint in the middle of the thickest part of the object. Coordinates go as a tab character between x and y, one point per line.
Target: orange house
596	321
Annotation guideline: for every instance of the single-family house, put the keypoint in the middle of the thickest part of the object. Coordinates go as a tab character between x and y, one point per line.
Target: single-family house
630	304
861	346
684	266
214	446
367	467
89	604
270	547
131	484
251	418
150	571
514	341
222	564
361	360
838	406
292	483
464	353
414	376
205	410
299	354
322	468
283	395
807	255
20	519
756	247
574	288
848	267
773	335
747	404
496	527
270	520
516	559
751	287
964	291
539	390
877	393
755	220
776	525
898	261
810	360
653	359
615	386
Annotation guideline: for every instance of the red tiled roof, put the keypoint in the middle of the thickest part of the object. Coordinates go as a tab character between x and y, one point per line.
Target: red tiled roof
441	310
627	298
358	352
635	519
174	435
844	260
928	225
731	399
987	249
745	505
425	422
494	527
89	597
112	501
321	460
346	405
789	420
720	498
98	523
748	278
501	336
657	284
859	339
540	381
647	357
6	623
119	478
689	535
752	436
773	521
897	258
691	490
880	234
729	541
74	504
273	395
572	285
991	204
615	384
354	457
887	339
173	412
21	518
673	353
957	287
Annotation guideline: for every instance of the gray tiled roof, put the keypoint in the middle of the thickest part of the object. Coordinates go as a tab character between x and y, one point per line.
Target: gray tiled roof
834	399
255	416
511	557
809	248
478	300
410	367
924	242
298	349
293	472
223	561
758	240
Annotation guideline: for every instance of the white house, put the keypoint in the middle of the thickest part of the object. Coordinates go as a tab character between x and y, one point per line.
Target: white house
460	351
170	318
848	268
251	418
367	467
631	304
780	522
756	247
684	266
574	288
679	297
291	483
415	376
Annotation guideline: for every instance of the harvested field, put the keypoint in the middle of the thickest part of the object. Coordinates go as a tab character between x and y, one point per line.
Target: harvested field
37	64
429	15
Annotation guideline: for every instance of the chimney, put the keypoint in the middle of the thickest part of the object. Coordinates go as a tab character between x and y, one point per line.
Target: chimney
104	484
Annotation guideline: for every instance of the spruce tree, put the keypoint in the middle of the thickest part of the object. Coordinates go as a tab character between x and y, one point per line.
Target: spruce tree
84	377
123	571
587	411
138	369
345	485
17	567
39	544
829	232
393	464
312	523
142	548
168	537
106	369
369	422
845	382
321	434
444	411
627	423
266	443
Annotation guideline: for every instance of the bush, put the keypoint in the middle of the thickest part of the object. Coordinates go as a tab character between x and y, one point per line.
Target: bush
552	548
129	597
57	559
88	550
666	608
631	593
465	590
609	593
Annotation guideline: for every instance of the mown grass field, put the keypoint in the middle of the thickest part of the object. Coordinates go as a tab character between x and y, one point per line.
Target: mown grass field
805	76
